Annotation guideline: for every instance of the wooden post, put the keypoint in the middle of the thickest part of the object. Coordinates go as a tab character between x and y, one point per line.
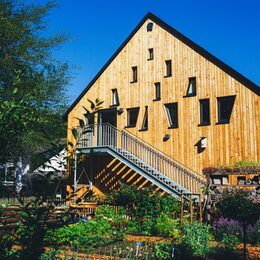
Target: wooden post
191	209
200	209
75	176
181	215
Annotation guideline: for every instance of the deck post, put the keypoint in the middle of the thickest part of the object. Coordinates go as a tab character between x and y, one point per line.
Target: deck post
75	176
200	209
191	209
181	214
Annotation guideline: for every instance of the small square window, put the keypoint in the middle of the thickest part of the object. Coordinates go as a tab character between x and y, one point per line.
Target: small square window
157	86
150	53
132	115
191	91
172	114
134	71
220	179
204	112
168	64
115	99
225	107
241	180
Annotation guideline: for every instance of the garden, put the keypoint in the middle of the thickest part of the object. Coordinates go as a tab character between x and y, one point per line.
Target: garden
135	224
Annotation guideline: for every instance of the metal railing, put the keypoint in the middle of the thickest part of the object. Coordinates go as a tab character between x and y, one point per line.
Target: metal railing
106	135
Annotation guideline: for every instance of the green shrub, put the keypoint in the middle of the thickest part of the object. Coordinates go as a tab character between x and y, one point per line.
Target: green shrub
6	244
132	227
195	241
147	226
163	250
88	234
167	226
230	240
145	208
6	240
52	254
108	214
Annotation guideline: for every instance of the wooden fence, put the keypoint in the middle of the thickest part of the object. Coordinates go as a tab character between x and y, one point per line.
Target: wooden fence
121	250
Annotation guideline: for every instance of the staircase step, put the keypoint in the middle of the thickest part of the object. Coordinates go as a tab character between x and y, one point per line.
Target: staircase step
151	171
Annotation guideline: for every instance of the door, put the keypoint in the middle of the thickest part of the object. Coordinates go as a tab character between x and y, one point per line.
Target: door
107	122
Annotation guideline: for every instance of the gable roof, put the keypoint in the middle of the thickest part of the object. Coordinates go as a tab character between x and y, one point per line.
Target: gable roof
233	73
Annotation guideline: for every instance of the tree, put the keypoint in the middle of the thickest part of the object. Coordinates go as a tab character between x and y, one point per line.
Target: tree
32	82
239	206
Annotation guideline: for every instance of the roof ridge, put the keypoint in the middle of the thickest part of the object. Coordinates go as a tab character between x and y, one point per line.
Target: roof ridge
229	70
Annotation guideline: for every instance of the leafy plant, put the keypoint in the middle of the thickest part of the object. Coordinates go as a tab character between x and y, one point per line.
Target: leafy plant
6	244
253	233
52	254
145	207
87	234
227	231
163	250
167	226
32	83
33	226
195	241
239	206
6	239
240	166
108	213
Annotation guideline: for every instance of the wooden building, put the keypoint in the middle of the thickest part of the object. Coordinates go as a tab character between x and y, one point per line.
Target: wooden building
190	109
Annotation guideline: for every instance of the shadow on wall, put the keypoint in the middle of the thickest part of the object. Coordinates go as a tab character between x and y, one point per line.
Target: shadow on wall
106	172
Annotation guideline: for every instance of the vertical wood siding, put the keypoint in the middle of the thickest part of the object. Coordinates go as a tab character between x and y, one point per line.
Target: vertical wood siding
226	143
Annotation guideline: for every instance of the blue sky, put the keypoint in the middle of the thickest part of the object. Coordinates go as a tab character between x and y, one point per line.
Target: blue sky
229	29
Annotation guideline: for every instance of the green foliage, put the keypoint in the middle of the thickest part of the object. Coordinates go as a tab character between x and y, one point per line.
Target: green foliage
87	234
32	83
151	213
6	240
79	131
6	244
230	241
167	226
33	226
239	206
195	241
246	164
163	250
52	254
108	214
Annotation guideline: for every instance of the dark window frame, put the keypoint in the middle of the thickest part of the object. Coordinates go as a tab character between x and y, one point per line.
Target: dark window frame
173	120
129	110
194	93
157	88
134	74
168	68
151	54
204	107
145	120
220	101
115	95
149	27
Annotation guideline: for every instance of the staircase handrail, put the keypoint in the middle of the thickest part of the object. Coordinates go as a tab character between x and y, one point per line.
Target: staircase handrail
195	175
165	156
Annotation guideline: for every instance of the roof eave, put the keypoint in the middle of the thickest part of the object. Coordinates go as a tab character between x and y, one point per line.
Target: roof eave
233	73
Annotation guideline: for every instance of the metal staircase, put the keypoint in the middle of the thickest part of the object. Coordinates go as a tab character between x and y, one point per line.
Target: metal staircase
162	170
